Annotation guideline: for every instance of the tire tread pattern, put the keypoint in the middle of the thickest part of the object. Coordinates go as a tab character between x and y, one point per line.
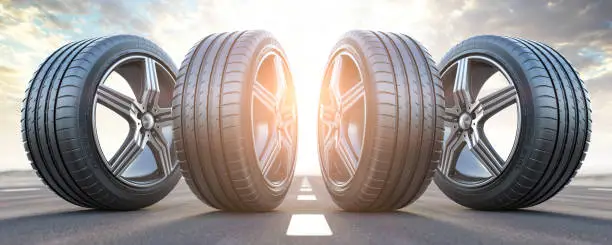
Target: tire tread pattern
561	124
408	126
208	99
51	131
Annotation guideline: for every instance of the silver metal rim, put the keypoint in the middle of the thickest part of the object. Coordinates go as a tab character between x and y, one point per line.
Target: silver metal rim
274	119
466	117
342	119
145	116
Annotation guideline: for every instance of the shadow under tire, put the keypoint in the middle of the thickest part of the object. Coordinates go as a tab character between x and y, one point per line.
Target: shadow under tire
236	121
380	125
58	127
553	131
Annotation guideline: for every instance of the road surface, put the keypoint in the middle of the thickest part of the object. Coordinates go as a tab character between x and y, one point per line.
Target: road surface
30	214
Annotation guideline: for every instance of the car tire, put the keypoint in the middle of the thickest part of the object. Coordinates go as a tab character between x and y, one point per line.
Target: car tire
58	126
218	115
553	130
380	143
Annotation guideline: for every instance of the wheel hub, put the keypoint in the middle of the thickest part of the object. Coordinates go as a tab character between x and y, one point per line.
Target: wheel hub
338	119
465	121
278	115
148	121
278	122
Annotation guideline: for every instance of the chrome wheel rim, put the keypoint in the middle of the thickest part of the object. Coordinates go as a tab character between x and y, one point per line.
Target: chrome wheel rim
274	119
465	117
145	157
342	119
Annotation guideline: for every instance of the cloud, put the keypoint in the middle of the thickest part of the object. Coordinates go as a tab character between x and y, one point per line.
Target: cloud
7	77
580	30
8	70
10	91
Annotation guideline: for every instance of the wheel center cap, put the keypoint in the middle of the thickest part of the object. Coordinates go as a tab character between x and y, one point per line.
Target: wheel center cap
465	121
147	121
278	119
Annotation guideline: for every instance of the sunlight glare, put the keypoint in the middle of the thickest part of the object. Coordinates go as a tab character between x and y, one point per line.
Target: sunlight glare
307	31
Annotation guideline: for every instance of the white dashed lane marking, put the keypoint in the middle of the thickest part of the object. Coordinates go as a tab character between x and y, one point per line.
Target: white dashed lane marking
600	189
306	188
308	225
305	183
307	198
19	189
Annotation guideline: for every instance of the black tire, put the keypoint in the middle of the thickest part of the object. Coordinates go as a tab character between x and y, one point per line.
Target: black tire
58	130
213	104
402	136
554	127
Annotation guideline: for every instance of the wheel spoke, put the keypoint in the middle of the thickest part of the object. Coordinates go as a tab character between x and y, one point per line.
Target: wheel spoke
461	89
346	155
287	118
150	93
484	151
286	129
121	104
287	109
452	148
286	138
494	102
264	96
334	83
129	151
287	143
163	117
281	80
452	113
352	96
287	115
327	114
161	151
269	158
328	145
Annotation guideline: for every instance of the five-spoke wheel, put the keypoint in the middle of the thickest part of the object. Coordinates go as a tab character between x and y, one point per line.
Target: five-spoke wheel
273	114
342	117
149	118
466	113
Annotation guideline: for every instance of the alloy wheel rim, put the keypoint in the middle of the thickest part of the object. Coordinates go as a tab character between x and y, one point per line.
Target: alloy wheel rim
465	116
149	117
273	118
342	119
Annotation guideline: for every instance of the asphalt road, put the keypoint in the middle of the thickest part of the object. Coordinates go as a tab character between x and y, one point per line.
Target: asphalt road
30	214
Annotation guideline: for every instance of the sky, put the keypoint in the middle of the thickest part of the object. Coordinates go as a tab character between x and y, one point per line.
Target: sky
307	30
